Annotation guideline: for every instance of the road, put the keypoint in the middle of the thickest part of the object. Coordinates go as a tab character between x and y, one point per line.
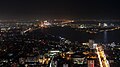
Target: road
102	57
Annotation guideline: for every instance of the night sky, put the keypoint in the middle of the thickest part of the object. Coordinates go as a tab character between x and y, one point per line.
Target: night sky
11	9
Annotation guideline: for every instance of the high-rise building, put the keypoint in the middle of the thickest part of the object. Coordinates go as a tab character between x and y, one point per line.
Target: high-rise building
91	42
90	63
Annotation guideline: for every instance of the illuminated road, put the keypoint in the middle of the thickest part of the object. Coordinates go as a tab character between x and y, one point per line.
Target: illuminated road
102	57
99	57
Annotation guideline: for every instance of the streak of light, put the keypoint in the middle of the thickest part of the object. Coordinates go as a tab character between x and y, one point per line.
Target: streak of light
99	57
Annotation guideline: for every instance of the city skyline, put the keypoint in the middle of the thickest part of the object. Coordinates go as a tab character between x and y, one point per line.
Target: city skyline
59	33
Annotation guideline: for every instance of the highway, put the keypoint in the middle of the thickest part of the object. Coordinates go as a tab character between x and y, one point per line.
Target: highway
102	57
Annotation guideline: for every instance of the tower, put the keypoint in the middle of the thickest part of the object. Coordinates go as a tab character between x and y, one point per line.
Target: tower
91	42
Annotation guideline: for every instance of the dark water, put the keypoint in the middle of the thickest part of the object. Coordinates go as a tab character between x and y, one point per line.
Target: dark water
76	35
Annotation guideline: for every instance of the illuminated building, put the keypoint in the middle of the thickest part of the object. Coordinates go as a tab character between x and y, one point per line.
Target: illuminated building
90	63
105	25
91	42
